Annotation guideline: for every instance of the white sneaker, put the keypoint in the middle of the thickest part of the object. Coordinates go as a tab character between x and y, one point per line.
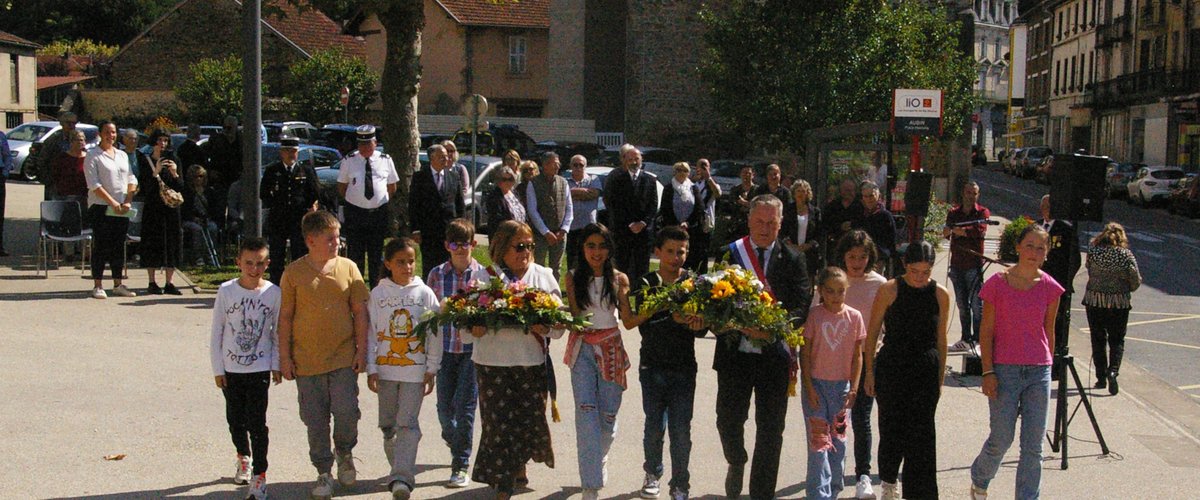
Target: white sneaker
346	475
324	487
960	346
650	487
242	476
977	493
400	491
863	489
258	488
459	479
98	293
122	291
890	491
591	494
389	450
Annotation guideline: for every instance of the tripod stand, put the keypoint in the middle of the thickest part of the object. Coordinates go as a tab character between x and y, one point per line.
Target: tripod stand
1059	439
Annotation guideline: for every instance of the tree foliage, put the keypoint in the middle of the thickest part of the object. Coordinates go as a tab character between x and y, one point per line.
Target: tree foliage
317	82
110	22
214	89
778	68
79	47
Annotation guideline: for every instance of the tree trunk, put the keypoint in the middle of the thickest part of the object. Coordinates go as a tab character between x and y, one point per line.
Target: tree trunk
403	20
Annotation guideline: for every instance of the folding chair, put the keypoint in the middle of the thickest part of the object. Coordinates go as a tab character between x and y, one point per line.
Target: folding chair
61	221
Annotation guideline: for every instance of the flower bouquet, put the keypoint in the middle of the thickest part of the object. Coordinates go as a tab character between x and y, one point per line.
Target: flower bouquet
495	304
726	299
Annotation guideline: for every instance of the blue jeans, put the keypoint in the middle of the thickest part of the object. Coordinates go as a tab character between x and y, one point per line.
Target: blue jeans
596	404
1022	390
457	394
825	428
667	397
967	283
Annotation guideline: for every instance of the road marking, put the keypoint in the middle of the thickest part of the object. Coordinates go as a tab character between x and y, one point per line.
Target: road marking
1188	387
1163	320
1181	315
1172	344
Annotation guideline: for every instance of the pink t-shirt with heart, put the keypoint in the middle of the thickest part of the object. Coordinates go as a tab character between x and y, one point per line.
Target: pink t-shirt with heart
833	337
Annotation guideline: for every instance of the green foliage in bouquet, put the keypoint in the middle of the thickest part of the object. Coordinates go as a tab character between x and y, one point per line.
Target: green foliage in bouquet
497	305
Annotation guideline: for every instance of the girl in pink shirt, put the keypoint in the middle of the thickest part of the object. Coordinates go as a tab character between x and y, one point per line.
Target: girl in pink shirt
830	366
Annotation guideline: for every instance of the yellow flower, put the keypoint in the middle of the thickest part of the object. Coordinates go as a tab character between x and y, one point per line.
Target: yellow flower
690	307
687	285
766	298
721	290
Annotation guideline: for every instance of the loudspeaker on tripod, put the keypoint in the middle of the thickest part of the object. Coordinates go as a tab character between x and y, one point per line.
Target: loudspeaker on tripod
916	193
1077	187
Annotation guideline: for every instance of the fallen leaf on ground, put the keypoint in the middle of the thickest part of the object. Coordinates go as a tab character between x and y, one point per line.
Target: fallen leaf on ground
117	456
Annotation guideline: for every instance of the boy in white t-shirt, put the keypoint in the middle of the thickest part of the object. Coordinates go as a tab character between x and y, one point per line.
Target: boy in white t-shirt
400	367
245	359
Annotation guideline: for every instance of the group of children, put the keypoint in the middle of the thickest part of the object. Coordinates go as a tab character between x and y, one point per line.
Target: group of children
322	327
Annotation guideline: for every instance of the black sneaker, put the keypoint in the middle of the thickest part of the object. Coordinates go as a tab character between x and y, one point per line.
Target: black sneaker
154	289
171	290
1112	383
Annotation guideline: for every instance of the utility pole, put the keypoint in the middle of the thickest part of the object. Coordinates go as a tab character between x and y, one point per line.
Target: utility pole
251	116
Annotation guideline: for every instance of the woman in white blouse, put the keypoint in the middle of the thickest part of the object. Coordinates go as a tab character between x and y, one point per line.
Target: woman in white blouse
111	186
511	366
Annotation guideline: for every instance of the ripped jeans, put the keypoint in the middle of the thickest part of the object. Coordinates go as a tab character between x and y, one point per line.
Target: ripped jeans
596	404
826	432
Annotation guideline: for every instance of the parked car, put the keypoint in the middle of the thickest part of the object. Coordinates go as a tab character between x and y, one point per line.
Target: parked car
567	149
429	140
1185	199
1029	160
1117	177
26	139
496	140
1041	173
1154	184
1012	160
303	131
341	136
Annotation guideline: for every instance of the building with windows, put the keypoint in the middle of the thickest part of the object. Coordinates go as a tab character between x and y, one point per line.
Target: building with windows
990	121
496	49
1073	31
18	80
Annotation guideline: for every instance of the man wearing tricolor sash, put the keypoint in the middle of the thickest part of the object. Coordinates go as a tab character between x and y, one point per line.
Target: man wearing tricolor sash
744	368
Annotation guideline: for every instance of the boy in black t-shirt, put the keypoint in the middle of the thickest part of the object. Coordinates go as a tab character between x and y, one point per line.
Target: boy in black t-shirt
667	371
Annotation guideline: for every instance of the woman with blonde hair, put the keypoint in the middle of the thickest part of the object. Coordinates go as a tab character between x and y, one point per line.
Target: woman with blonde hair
1112	276
801	227
527	171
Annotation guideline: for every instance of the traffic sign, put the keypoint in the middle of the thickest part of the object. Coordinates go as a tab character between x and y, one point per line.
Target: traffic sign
917	111
344	96
475	107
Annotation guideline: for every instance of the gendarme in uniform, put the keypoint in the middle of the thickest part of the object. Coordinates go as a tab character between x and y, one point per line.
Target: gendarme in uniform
288	192
366	184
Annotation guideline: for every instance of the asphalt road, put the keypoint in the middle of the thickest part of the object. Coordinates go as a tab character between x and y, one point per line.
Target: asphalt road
1164	326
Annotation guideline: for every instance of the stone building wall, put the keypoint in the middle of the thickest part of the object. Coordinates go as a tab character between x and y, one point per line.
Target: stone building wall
666	102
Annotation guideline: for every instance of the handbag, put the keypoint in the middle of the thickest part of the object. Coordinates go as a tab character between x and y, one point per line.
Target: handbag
170	197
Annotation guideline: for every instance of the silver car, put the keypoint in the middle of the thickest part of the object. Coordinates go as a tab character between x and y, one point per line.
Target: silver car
29	137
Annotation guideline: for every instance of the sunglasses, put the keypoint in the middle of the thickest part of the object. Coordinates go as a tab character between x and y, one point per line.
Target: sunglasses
459	245
523	247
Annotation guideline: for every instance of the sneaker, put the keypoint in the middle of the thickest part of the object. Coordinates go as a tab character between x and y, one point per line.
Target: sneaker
650	487
679	494
890	491
459	479
733	481
346	475
258	488
400	490
171	290
863	489
242	476
389	450
591	494
324	487
1112	383
123	291
960	346
154	289
98	293
978	493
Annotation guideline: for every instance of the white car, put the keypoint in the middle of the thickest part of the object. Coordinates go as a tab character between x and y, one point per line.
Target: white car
1153	184
29	136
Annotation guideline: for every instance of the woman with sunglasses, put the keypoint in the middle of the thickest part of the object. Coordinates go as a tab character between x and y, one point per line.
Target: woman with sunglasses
162	227
501	203
511	368
596	355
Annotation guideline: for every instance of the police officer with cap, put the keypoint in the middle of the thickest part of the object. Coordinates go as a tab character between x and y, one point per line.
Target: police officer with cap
288	191
366	181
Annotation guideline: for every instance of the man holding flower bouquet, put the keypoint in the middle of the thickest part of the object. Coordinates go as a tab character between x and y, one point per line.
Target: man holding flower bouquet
750	361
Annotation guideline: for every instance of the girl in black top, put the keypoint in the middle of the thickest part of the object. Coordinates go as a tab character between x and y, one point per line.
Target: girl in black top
906	376
162	230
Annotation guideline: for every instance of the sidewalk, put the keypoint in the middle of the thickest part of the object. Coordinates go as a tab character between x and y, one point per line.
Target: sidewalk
87	378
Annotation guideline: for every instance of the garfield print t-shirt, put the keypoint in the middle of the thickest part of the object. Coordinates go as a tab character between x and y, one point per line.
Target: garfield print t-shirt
833	337
394	351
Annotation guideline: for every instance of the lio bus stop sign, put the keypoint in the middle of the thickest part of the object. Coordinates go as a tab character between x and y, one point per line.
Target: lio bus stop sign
917	112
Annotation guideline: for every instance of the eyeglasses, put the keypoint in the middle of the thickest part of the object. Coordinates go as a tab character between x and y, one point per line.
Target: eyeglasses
459	245
523	247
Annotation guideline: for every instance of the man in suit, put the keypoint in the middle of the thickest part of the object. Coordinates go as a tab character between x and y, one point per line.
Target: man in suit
1062	264
631	195
435	199
748	363
367	180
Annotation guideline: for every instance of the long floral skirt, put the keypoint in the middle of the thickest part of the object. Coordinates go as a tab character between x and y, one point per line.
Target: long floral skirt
512	407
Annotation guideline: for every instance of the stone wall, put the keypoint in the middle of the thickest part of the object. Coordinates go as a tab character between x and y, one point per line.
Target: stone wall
666	102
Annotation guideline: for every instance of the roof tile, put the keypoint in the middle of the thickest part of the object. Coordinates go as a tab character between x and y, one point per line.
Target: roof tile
11	39
503	14
313	31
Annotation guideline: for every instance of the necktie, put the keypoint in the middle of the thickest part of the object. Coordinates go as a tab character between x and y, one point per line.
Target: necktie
437	177
368	182
762	259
